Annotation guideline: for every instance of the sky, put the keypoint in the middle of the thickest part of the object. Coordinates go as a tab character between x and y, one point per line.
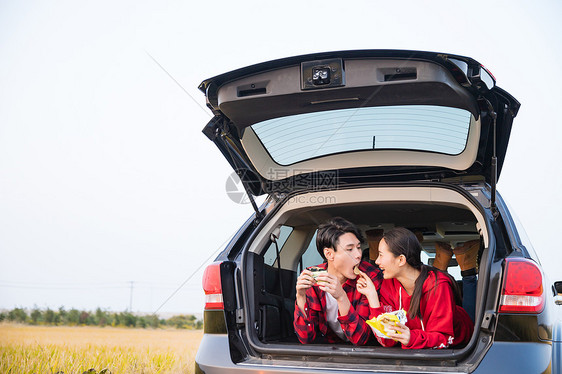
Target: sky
110	195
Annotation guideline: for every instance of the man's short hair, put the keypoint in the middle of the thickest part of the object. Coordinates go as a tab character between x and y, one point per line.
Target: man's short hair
329	233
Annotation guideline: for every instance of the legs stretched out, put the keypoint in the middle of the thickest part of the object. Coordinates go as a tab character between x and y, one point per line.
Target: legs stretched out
466	255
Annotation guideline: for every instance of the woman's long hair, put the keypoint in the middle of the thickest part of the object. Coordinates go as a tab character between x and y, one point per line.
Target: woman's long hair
402	241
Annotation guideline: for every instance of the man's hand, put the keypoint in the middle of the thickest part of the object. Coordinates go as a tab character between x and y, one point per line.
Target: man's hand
330	284
304	282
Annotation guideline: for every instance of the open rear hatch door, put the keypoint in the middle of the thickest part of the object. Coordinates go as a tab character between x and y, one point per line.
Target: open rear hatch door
358	116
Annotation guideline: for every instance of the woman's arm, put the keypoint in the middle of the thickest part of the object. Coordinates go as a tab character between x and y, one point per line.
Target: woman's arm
437	318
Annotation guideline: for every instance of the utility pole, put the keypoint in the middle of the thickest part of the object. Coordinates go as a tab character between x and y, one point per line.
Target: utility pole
131	298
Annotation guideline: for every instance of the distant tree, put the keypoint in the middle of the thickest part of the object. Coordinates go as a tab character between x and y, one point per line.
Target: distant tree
83	318
17	315
35	315
182	321
73	317
49	317
60	317
101	318
127	319
91	320
153	321
116	320
141	322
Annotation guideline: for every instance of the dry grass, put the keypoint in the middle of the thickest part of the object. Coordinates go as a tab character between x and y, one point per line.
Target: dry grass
42	349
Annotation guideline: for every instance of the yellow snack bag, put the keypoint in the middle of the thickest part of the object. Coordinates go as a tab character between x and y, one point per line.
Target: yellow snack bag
384	322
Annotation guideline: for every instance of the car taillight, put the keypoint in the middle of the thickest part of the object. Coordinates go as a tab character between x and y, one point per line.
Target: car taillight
522	290
212	286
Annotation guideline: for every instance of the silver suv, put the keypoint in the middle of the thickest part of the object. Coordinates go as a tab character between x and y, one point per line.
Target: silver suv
382	138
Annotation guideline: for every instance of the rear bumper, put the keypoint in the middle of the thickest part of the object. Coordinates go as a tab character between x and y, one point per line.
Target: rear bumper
213	357
516	357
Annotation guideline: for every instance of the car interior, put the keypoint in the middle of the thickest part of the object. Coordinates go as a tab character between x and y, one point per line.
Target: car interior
292	247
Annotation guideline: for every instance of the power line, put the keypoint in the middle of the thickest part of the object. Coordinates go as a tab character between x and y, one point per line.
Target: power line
113	285
40	287
195	272
179	85
52	283
68	286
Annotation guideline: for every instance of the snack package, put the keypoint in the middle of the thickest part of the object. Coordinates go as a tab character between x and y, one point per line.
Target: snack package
386	321
316	271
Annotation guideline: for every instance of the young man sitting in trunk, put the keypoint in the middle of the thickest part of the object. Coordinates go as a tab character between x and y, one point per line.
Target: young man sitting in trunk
329	309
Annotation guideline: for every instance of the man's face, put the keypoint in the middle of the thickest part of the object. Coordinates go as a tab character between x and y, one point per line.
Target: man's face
346	256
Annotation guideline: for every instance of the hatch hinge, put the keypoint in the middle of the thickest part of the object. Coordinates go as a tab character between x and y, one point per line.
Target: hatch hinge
487	320
494	164
240	320
224	133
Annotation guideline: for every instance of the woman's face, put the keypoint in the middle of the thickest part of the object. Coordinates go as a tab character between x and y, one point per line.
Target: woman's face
388	263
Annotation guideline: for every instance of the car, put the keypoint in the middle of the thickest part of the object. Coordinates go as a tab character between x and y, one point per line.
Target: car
382	138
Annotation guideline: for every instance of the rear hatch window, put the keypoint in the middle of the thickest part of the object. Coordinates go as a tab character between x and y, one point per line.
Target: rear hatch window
301	137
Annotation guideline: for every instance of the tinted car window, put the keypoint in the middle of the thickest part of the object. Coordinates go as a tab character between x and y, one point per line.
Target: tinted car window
271	253
521	233
311	256
413	127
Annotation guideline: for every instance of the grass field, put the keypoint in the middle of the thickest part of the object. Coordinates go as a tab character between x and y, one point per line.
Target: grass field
41	349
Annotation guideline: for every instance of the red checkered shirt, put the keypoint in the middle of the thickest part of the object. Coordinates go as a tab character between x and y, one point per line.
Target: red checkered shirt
312	326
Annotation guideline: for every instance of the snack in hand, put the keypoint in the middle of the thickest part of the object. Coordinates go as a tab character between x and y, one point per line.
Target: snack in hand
382	324
356	270
316	271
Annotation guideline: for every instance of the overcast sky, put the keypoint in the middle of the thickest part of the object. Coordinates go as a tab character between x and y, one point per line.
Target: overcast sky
106	178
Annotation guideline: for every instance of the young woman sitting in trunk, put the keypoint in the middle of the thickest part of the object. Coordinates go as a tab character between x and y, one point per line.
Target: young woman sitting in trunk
430	296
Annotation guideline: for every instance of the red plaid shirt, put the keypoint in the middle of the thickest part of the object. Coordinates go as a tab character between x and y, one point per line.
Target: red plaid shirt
312	326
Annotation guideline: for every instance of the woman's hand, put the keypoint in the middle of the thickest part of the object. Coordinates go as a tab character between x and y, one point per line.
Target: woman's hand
366	287
400	333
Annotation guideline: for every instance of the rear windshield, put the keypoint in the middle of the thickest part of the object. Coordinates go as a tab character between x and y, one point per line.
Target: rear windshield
428	128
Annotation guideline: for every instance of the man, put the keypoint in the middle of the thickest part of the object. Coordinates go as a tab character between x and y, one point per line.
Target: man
329	309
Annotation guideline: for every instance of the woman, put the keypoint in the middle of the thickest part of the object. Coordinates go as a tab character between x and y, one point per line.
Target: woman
430	296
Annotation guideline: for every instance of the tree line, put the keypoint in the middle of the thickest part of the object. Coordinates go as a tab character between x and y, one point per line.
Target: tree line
100	317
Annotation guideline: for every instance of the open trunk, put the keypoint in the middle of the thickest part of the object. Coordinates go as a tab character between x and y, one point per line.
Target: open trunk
266	288
382	138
